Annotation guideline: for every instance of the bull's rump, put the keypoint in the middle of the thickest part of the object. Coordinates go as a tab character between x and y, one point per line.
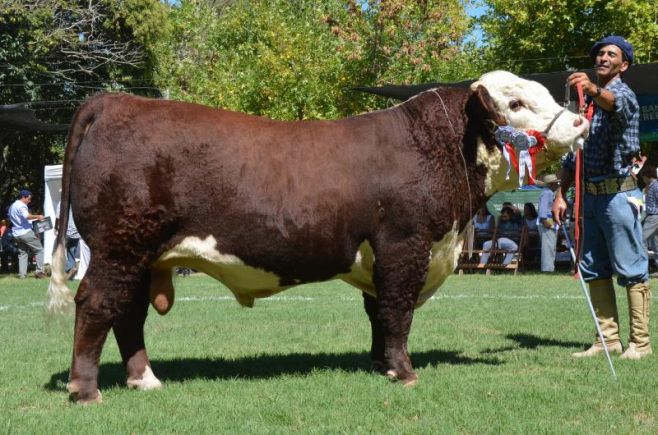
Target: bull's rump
293	198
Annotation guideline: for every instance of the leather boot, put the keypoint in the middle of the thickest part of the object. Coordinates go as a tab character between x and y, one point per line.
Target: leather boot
602	293
639	300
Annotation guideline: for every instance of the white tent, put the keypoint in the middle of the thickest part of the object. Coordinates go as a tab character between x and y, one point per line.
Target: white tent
52	176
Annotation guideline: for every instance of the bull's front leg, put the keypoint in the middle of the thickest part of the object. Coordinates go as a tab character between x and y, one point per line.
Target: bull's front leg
399	273
129	333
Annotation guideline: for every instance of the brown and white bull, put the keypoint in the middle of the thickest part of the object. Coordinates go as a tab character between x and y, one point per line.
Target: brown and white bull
379	200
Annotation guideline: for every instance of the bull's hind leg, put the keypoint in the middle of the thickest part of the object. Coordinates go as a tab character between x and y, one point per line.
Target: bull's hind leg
129	333
399	272
95	313
105	300
377	346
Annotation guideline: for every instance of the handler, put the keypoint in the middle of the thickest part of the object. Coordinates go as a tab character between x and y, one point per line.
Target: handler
612	233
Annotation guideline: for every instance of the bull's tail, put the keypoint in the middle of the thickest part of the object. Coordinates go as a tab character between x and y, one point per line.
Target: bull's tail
60	297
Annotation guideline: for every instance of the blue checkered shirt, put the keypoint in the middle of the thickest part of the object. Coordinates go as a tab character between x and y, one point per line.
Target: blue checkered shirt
614	136
651	198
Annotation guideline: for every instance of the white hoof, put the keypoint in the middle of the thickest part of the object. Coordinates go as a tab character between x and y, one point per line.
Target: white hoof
148	381
392	374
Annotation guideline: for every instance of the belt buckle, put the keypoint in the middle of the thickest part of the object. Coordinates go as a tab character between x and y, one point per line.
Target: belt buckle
612	186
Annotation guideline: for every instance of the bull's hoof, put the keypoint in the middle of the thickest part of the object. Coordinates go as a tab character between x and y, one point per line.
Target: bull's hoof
407	381
147	382
83	399
76	395
392	375
410	381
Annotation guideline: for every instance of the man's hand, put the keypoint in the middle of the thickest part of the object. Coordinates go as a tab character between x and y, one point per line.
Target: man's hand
581	78
559	209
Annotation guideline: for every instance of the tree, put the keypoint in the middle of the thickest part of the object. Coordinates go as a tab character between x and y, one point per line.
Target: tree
399	41
552	35
297	59
54	53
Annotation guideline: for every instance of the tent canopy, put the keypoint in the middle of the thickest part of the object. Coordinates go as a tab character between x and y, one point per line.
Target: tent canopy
20	117
641	78
52	176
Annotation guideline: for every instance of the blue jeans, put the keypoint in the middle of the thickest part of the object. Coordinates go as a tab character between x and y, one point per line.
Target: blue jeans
71	252
612	239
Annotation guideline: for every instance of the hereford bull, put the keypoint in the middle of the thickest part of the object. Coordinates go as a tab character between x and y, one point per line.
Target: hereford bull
380	200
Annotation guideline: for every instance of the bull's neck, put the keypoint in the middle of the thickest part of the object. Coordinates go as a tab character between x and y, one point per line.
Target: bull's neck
439	129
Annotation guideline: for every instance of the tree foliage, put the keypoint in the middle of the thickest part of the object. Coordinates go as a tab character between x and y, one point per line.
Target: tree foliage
297	59
287	59
552	35
53	53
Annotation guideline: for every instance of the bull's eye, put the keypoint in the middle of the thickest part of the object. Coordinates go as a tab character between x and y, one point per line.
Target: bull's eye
515	105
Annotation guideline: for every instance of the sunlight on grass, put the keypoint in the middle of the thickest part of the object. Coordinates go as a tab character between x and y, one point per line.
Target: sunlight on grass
492	354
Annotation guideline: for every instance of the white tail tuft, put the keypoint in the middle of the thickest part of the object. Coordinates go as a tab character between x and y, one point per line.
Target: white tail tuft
60	297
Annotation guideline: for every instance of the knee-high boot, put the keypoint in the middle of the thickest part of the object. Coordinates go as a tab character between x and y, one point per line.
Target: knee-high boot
639	300
602	293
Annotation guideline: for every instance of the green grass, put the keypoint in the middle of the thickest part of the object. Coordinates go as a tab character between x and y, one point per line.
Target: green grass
492	354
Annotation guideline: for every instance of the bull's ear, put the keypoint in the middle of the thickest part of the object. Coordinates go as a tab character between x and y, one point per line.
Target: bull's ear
483	114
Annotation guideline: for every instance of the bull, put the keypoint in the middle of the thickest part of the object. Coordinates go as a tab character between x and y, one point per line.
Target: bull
380	200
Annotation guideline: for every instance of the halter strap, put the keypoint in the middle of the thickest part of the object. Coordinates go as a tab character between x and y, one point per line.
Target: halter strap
550	125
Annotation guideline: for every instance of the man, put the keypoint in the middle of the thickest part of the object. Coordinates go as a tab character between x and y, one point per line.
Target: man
612	233
72	245
545	223
26	240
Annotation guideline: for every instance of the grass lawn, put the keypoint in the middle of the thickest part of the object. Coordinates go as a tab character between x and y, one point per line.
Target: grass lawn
492	355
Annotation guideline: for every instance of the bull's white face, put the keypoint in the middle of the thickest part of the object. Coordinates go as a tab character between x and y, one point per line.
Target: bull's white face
528	105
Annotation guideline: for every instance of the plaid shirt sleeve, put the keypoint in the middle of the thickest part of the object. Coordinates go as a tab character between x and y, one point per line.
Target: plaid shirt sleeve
614	137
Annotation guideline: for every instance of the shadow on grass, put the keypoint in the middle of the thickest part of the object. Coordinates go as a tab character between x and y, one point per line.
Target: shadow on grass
529	341
261	366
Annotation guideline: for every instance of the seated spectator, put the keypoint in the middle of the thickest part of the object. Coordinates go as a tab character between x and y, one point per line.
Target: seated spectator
530	216
483	221
8	251
506	225
516	216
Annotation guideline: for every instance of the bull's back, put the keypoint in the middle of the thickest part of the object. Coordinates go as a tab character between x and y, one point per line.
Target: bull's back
296	198
201	146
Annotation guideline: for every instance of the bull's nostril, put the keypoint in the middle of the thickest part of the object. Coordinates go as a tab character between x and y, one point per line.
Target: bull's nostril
578	122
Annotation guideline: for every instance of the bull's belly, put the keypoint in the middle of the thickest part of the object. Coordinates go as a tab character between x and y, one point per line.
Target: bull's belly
248	283
244	281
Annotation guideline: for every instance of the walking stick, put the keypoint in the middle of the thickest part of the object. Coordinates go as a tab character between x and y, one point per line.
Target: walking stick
589	301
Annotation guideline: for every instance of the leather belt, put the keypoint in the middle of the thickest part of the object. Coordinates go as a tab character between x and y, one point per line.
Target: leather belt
610	186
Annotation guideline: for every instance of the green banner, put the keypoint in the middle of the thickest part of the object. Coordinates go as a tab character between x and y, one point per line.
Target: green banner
518	198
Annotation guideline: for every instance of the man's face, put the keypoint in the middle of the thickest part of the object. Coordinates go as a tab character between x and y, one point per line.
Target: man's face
27	199
609	62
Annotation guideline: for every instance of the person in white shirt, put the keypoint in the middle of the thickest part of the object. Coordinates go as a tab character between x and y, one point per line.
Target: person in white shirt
26	240
545	224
